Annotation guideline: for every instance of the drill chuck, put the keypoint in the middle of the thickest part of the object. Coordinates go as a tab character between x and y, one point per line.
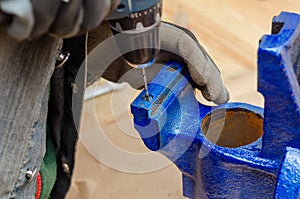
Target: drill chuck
140	42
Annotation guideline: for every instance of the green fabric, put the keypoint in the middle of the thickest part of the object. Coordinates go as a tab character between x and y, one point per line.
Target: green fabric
48	166
48	169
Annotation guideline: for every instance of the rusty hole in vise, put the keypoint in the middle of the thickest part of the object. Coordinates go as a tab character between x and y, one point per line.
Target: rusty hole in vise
232	127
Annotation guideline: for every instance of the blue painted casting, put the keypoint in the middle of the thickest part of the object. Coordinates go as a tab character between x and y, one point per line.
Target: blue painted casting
234	150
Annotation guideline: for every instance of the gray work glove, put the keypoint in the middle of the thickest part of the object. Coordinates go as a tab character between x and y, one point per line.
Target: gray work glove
61	18
178	43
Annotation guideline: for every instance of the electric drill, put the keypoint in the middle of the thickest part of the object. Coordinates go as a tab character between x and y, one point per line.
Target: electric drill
139	22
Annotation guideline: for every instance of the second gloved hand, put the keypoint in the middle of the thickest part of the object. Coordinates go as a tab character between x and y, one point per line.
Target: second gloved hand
61	18
177	44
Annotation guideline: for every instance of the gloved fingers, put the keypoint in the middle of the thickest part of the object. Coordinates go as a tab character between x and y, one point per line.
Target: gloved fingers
216	92
116	70
165	56
219	96
61	18
22	15
102	50
98	35
68	19
4	19
34	18
80	16
202	69
213	89
44	12
94	13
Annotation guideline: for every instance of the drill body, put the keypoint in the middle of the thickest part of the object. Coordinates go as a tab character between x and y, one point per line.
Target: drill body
139	21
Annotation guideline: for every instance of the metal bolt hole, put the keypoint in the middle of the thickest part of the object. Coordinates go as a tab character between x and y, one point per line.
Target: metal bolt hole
232	128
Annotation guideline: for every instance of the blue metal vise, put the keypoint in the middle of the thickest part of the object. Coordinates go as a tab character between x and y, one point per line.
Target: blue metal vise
234	150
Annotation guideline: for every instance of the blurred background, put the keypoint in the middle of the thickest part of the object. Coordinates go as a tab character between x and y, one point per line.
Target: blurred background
230	31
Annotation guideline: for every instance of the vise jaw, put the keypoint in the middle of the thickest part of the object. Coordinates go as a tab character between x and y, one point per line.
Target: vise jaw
234	150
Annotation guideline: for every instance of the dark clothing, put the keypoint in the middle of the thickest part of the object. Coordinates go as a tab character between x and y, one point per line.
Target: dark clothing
65	106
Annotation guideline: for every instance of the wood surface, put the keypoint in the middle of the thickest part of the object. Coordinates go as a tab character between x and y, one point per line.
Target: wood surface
229	30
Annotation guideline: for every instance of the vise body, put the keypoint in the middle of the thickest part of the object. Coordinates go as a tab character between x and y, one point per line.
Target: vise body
234	150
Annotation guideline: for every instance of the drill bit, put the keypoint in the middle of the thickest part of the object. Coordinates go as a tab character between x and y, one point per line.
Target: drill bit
147	97
143	67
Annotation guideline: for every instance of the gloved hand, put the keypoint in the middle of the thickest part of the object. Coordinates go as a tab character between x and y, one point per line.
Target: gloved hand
62	18
179	44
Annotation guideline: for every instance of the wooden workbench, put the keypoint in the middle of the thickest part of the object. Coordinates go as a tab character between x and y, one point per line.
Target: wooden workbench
229	30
